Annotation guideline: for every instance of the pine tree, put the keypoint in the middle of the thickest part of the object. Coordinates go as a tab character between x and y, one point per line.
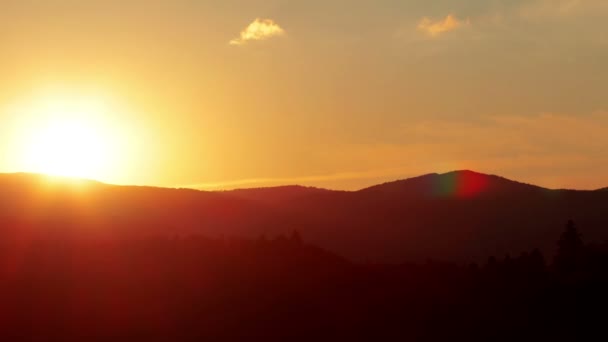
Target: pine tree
570	249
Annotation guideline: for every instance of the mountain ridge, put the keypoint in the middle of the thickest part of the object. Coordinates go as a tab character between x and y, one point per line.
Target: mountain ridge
287	187
471	217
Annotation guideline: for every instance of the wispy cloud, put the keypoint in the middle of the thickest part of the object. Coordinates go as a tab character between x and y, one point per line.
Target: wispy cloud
316	180
435	28
259	29
552	150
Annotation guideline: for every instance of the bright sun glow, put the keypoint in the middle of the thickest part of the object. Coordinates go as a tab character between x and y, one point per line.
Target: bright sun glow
67	136
67	148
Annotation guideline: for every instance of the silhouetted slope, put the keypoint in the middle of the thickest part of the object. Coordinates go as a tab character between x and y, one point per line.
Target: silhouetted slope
457	216
463	183
276	195
49	205
197	288
460	215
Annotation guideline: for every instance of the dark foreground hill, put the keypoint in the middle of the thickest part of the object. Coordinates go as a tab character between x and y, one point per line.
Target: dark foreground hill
85	261
458	216
281	289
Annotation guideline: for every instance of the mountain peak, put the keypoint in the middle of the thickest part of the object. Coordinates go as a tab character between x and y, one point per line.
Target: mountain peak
459	183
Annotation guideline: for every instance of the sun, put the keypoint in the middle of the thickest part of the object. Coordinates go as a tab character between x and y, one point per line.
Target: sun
71	148
67	136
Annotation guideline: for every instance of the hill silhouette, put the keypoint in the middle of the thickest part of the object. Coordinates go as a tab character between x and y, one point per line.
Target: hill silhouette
463	183
458	216
86	261
276	195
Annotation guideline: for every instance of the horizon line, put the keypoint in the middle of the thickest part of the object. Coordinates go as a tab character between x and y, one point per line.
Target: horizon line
282	182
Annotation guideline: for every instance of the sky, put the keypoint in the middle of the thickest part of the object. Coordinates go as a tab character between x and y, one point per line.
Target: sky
339	94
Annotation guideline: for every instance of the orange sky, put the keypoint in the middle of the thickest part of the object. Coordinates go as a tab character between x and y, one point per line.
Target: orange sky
339	94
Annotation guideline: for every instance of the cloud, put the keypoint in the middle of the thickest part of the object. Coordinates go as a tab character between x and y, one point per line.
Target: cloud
315	180
259	29
438	27
552	150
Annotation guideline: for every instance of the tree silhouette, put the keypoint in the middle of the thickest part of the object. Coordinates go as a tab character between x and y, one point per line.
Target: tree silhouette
536	261
570	249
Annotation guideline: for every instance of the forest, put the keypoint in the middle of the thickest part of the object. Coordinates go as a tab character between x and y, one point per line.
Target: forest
281	288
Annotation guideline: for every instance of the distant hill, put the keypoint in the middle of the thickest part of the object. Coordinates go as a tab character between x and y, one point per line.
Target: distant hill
453	184
460	216
276	195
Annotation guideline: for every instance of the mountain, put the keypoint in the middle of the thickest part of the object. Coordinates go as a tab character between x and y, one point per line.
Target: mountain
459	216
275	195
463	183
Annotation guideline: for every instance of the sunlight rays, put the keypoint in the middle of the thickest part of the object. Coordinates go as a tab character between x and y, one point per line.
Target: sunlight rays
67	134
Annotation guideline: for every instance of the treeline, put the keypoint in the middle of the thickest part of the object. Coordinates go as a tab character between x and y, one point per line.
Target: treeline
283	289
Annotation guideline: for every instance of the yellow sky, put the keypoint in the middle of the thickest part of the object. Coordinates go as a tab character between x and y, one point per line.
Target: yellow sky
339	94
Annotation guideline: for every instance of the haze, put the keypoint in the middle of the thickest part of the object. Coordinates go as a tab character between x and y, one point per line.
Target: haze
340	94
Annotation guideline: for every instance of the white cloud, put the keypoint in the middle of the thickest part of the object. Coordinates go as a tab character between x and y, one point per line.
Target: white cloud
435	28
259	29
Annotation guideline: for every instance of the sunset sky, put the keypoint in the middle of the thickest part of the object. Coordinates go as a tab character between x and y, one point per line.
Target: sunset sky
334	93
